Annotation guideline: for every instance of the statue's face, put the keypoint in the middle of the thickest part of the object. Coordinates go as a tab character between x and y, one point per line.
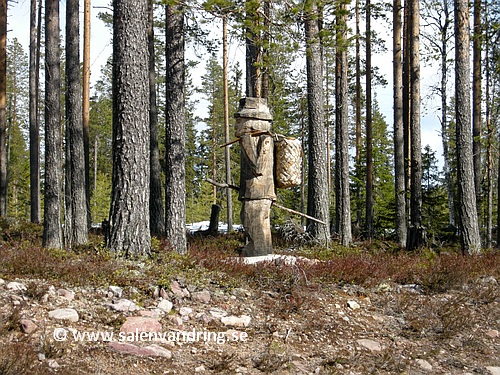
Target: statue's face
249	125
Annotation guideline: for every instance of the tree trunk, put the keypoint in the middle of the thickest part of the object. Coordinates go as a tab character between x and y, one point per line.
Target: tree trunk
34	127
416	236
74	127
86	104
359	210
406	103
444	118
175	190
342	130
318	197
52	230
227	151
469	228
399	160
476	104
3	105
156	211
129	234
369	130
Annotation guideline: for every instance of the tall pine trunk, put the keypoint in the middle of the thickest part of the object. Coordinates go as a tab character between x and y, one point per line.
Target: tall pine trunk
52	230
343	206
129	234
77	221
369	130
399	160
34	124
156	211
318	196
359	203
416	234
175	189
469	228
3	105
476	103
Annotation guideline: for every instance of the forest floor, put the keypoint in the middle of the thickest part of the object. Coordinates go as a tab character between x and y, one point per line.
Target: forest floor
370	309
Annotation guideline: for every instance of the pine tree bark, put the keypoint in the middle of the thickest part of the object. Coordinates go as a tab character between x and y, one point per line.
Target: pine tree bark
416	234
3	105
52	230
175	190
343	207
318	201
74	129
156	211
129	234
359	203
476	103
399	160
369	131
34	123
469	228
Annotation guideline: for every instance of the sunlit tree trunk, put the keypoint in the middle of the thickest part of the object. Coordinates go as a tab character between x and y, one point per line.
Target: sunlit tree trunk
52	230
469	228
369	129
175	190
76	218
3	105
129	234
318	195
343	206
398	127
476	103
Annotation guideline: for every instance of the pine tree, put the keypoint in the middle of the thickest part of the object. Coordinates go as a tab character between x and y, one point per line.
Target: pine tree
129	234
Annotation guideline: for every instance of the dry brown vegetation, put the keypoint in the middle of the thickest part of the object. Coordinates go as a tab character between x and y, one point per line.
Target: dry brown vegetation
420	309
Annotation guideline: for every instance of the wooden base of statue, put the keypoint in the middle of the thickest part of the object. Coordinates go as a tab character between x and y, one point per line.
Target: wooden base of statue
255	219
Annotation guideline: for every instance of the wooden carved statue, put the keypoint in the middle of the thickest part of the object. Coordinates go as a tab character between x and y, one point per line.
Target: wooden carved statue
257	190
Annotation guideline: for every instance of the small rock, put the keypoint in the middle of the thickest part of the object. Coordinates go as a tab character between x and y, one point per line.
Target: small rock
200	369
15	286
41	357
64	314
177	320
2	281
165	305
27	326
163	294
67	294
147	351
185	311
493	333
124	305
150	313
424	364
205	318
53	363
353	305
240	292
493	370
372	345
217	313
242	321
177	290
203	296
116	291
141	324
